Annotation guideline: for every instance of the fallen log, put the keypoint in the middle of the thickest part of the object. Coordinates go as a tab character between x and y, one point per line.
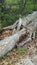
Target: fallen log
9	42
28	19
25	20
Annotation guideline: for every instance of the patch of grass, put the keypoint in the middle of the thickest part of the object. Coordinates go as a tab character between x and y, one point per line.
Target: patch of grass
21	50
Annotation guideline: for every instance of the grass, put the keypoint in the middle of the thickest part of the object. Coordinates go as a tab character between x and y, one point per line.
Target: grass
21	50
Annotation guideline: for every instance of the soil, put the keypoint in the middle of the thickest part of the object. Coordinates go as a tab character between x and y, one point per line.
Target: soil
5	33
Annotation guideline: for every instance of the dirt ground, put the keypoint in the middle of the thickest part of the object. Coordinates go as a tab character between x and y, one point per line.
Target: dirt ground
5	33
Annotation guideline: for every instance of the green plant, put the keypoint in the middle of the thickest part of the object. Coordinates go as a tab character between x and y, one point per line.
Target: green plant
21	50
